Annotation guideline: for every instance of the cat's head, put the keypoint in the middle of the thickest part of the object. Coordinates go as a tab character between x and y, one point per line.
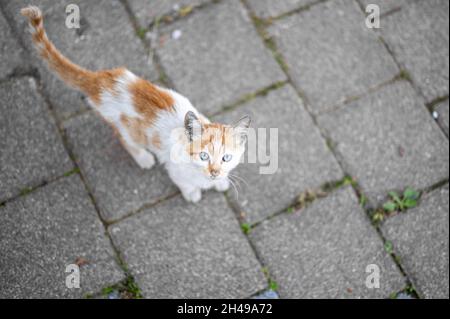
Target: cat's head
215	149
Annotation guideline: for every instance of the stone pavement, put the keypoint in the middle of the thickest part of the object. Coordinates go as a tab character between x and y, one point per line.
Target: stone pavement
359	112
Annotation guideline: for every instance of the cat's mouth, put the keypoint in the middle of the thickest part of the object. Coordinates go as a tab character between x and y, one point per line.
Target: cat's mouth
216	177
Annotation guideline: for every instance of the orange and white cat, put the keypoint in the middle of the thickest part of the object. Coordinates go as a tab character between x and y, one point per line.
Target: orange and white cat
153	121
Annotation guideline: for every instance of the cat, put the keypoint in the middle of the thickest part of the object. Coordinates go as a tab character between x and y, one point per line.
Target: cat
153	121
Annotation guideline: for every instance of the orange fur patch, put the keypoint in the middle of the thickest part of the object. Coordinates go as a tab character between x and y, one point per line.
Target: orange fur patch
148	99
156	141
136	128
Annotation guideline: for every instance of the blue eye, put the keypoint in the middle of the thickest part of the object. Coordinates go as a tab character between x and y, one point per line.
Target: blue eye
204	156
227	158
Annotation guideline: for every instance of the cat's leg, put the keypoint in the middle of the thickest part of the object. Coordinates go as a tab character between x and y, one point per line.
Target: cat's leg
222	185
190	192
141	156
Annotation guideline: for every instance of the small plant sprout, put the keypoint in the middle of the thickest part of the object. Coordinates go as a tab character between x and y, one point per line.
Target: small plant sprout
378	216
141	33
388	247
363	201
273	285
246	228
398	203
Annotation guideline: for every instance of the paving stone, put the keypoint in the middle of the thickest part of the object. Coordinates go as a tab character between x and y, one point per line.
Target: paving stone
442	110
31	150
388	141
118	184
219	57
105	40
304	161
331	55
147	12
270	8
420	239
418	36
11	52
44	232
387	6
180	250
323	251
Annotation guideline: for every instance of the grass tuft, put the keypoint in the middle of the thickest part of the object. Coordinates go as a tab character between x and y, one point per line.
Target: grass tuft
246	228
397	203
273	285
128	289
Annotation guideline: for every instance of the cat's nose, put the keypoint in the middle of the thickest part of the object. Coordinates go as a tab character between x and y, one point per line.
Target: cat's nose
215	173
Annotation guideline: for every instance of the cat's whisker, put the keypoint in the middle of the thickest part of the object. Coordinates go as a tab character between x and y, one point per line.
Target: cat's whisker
235	189
240	178
238	184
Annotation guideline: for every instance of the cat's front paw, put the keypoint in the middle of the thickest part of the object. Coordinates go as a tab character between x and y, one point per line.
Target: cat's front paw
222	185
193	196
145	160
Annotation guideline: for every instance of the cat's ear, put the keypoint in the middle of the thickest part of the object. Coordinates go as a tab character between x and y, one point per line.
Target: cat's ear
243	123
241	127
193	125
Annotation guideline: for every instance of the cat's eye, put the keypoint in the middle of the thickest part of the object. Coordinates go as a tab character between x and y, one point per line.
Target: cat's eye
204	156
227	158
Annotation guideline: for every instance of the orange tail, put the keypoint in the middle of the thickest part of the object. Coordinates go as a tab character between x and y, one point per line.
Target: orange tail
90	83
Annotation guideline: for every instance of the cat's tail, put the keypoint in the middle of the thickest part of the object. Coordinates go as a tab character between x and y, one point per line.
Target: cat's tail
88	82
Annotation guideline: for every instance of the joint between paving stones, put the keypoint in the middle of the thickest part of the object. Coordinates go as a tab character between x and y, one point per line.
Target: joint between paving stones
247	98
142	209
298	10
183	13
252	246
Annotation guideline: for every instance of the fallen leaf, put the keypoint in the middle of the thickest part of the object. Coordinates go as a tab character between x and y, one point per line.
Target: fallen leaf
80	261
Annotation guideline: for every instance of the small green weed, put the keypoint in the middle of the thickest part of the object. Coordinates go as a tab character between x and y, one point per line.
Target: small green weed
398	203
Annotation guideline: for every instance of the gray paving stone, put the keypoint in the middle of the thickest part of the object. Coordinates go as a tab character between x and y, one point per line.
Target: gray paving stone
323	251
443	111
105	40
388	141
331	55
147	12
304	161
11	52
179	250
270	8
219	57
31	150
387	5
420	239
118	184
418	36
44	232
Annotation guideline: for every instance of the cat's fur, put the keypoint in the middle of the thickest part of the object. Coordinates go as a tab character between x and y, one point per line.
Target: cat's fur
151	120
